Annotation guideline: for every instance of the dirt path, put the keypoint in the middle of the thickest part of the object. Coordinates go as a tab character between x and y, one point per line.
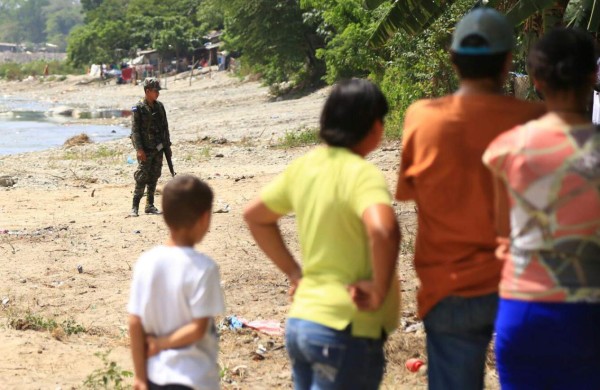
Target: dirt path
68	211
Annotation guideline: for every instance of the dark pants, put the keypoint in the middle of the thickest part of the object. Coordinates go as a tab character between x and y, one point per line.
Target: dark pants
154	386
459	331
147	175
327	359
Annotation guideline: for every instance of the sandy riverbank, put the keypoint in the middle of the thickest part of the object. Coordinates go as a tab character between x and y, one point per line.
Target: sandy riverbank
69	207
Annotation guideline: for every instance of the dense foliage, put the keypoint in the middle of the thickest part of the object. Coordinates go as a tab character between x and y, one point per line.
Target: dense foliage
115	29
35	22
275	39
303	42
420	68
19	71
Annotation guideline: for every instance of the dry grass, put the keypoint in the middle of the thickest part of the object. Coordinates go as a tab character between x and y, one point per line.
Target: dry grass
80	139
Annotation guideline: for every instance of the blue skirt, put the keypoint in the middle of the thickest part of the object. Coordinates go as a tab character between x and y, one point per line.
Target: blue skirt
547	346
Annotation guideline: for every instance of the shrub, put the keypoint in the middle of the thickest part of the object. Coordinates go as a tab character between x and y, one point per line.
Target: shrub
16	71
294	139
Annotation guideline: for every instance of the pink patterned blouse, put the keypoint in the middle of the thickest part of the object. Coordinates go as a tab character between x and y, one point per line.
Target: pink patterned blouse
552	175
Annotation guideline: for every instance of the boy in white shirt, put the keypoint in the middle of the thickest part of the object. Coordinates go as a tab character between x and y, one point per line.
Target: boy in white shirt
175	293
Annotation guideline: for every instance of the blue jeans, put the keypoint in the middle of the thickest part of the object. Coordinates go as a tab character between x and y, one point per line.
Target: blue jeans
459	331
548	346
325	358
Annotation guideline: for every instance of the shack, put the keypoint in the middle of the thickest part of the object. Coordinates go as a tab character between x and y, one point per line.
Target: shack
146	57
212	50
11	47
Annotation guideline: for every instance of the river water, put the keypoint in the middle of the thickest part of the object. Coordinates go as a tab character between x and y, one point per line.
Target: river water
25	127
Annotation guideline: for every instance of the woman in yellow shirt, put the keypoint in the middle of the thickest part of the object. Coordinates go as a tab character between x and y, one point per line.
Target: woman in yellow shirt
345	295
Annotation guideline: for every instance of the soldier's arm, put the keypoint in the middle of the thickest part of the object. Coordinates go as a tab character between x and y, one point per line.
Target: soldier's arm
136	125
166	126
136	136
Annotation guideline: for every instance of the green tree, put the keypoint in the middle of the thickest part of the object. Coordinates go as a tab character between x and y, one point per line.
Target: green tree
169	26
420	68
273	37
61	16
89	5
106	10
22	21
414	16
210	16
97	42
103	37
345	26
31	17
175	35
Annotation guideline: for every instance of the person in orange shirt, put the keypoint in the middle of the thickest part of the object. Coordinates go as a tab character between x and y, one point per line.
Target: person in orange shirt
441	170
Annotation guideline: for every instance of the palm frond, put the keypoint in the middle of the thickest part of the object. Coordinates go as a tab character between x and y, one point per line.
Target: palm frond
526	8
593	11
410	16
372	4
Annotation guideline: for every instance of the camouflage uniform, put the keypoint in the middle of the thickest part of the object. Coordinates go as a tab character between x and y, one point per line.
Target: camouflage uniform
149	131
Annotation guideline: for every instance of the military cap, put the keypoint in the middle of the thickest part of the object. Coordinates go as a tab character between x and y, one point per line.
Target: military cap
152	83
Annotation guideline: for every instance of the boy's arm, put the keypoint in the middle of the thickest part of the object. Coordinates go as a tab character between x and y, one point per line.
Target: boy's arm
182	337
384	236
262	223
138	351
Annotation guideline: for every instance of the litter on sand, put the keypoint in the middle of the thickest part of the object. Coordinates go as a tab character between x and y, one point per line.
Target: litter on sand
270	327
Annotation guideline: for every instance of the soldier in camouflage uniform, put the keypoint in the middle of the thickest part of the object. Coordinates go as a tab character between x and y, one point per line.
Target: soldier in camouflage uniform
150	138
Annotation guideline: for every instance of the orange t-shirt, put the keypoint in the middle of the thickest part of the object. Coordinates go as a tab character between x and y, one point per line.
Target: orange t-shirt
441	169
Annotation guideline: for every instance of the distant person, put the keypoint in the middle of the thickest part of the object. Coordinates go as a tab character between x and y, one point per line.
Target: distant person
548	321
175	295
46	70
150	137
345	295
596	98
441	170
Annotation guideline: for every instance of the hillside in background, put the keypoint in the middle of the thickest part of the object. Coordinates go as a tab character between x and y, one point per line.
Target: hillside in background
39	24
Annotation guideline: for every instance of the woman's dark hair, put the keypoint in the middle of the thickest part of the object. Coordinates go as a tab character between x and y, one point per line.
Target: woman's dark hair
564	59
185	199
350	112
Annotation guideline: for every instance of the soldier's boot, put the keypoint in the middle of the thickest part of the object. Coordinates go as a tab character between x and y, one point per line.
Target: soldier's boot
135	207
150	208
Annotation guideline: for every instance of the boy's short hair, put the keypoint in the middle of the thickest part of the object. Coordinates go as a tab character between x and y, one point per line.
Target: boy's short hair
185	199
479	66
350	112
480	44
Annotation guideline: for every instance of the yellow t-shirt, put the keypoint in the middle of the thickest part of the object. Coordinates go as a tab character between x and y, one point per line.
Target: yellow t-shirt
329	189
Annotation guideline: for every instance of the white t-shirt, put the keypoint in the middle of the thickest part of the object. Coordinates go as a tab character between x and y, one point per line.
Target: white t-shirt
596	109
172	286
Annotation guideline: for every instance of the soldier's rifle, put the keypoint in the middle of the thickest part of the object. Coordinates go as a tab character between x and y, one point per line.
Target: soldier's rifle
168	154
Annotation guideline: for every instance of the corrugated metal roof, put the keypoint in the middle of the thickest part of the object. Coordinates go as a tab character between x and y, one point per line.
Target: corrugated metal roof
144	52
213	45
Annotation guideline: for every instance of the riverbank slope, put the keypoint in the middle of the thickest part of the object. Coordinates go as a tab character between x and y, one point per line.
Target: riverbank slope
67	246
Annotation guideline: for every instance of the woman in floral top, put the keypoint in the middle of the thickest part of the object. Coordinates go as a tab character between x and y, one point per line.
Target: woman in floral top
548	324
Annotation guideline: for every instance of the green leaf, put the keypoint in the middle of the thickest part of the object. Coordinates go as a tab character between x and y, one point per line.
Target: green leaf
593	23
372	4
526	8
410	16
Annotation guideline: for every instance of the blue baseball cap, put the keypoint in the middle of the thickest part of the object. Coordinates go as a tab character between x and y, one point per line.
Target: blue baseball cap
490	26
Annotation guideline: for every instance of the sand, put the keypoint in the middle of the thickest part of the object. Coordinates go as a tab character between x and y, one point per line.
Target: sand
68	212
